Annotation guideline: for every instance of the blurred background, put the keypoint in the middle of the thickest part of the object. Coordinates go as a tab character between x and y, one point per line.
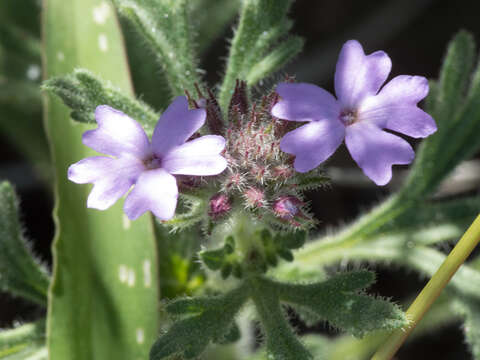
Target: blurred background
413	32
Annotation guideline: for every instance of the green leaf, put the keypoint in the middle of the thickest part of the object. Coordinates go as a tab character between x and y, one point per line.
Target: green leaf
211	20
19	41
470	311
339	301
254	53
213	259
275	60
103	301
148	77
83	92
164	27
454	78
455	107
36	352
191	210
281	342
22	339
178	263
429	223
212	320
20	273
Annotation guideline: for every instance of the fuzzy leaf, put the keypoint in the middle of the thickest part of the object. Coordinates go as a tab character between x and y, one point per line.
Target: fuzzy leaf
211	18
103	302
22	339
82	92
275	60
340	301
20	273
470	310
456	109
281	342
261	25
212	321
454	77
430	222
191	210
164	26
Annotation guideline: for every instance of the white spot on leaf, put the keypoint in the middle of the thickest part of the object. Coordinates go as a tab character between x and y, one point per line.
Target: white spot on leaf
34	72
131	278
101	13
123	273
60	56
103	42
126	222
140	336
147	273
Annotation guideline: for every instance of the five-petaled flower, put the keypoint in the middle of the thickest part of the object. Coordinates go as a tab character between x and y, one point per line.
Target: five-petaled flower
359	114
133	160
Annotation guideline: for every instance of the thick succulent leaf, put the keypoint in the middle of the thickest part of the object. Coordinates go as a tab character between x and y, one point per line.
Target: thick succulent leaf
339	301
20	273
103	299
82	92
211	320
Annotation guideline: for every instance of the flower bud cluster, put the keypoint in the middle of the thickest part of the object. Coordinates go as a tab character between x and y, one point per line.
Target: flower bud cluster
259	178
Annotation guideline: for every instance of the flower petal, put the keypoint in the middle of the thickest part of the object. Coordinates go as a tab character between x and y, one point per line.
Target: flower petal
155	190
375	151
358	75
304	102
116	134
176	125
395	107
197	157
112	178
313	143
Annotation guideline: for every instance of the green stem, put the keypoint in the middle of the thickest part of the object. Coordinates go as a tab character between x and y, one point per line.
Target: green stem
432	290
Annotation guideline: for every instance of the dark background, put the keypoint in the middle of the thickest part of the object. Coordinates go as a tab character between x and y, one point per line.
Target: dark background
413	33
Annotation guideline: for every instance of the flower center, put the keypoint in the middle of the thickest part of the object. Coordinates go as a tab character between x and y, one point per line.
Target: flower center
348	117
152	162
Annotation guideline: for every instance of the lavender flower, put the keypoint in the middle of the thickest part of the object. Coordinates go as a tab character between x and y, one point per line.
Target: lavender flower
358	115
133	160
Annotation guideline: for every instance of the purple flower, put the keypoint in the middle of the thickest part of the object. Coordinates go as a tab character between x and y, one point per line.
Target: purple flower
133	160
359	114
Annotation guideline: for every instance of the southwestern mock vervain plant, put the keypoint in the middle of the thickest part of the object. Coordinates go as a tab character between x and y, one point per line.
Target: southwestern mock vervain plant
358	115
133	160
241	237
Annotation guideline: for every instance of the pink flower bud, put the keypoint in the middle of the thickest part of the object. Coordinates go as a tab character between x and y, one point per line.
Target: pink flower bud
287	207
219	206
254	197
